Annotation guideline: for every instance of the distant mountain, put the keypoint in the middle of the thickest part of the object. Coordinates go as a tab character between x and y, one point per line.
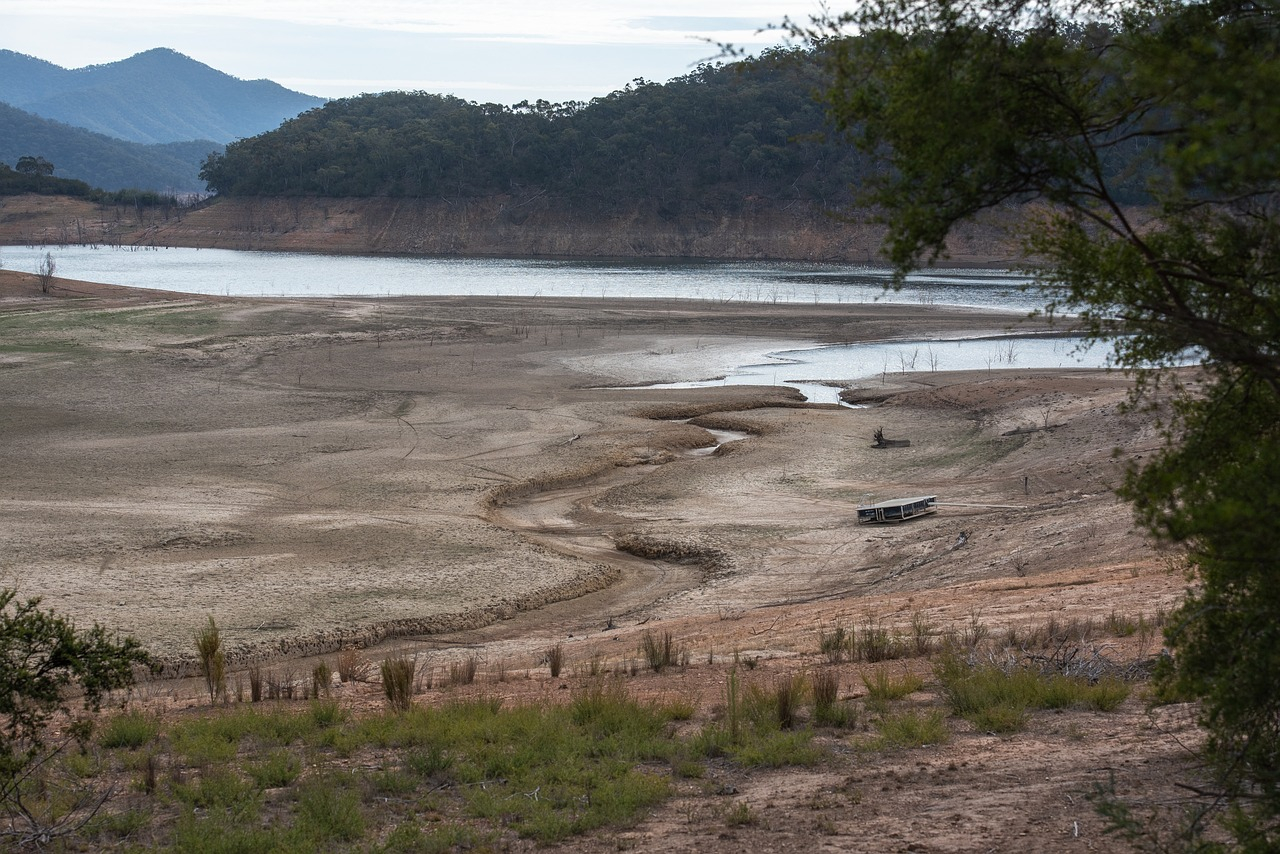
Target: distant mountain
100	160
158	96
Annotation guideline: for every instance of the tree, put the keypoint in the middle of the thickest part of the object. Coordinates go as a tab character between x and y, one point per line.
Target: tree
42	657
45	272
29	165
1136	144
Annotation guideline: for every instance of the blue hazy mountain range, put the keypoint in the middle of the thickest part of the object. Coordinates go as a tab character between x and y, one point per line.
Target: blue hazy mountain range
144	122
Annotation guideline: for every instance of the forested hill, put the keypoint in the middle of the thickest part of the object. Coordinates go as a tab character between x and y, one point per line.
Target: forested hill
716	137
100	160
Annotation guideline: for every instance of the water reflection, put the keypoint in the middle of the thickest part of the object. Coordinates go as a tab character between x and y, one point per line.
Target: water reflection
277	274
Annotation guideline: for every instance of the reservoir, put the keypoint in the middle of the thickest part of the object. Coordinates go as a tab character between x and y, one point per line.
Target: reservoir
224	272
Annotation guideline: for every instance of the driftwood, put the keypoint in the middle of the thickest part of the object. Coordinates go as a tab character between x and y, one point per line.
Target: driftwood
882	442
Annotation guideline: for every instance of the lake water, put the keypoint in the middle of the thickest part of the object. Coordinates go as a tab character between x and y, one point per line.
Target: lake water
227	272
279	274
809	370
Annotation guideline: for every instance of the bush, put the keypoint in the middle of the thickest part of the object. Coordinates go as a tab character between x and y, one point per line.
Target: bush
42	657
213	663
397	682
659	652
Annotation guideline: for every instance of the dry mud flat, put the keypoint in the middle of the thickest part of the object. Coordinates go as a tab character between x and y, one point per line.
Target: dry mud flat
322	473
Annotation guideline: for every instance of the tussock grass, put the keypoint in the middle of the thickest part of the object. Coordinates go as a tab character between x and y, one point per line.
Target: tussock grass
397	681
912	728
130	731
998	699
464	672
883	687
827	710
255	684
555	659
353	666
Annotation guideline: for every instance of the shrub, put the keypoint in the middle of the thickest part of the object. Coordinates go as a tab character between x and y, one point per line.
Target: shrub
836	643
788	692
279	769
353	667
996	699
213	663
464	672
321	677
397	682
659	651
555	659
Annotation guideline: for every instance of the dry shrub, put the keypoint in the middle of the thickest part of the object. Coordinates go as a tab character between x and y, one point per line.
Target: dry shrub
659	652
555	659
321	678
213	662
353	666
397	682
464	672
710	561
255	683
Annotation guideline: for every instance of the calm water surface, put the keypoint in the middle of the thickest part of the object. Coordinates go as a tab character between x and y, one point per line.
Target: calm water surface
808	370
279	274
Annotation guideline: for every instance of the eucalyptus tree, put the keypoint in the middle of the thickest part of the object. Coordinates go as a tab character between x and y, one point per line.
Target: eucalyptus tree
1137	147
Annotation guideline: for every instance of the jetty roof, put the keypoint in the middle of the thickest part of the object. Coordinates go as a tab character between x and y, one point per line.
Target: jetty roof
898	502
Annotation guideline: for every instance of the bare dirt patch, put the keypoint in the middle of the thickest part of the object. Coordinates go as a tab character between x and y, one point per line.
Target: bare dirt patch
448	477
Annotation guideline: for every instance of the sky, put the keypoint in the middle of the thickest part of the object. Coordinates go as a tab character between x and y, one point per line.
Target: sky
500	51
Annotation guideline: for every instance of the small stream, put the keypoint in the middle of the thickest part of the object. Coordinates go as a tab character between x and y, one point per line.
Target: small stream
722	437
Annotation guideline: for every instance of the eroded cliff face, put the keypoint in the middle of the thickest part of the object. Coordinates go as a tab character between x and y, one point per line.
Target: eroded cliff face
499	227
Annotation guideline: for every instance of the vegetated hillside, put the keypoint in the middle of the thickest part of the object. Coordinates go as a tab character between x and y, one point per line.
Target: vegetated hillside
158	96
100	160
713	139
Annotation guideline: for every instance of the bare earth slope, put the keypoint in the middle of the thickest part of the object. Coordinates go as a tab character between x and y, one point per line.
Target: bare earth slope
449	475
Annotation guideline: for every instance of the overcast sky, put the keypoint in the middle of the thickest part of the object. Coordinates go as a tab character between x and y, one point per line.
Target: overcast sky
502	51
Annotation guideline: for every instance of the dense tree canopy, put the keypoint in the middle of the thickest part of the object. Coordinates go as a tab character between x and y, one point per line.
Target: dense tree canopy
33	165
715	136
1075	113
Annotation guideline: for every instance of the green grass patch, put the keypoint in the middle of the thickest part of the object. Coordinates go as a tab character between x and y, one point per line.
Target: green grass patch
997	699
130	730
884	687
276	770
912	728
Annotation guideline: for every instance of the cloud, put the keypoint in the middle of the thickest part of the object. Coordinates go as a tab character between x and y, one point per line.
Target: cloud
547	21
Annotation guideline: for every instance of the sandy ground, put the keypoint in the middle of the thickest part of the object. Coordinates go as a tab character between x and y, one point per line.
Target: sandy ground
449	476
